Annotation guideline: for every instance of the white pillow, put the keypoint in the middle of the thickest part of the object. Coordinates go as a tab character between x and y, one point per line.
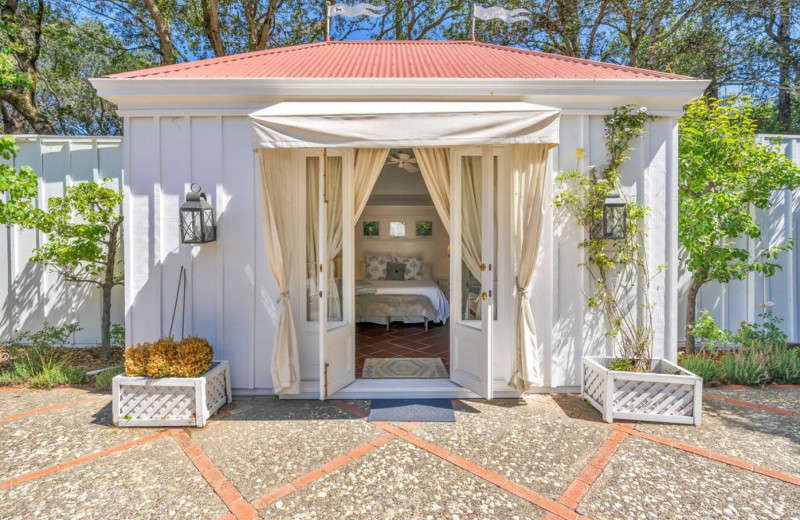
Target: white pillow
376	265
413	266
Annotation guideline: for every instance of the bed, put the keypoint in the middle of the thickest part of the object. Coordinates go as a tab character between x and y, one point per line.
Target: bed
405	309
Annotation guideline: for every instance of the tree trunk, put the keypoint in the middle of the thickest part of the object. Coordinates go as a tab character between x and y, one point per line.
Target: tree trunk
166	48
211	26
23	103
108	285
691	313
11	125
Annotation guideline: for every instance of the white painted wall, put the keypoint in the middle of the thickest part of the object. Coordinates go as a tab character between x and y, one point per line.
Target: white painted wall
30	295
739	301
231	297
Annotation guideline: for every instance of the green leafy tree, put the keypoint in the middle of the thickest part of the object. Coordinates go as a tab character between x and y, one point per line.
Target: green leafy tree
84	232
723	174
20	186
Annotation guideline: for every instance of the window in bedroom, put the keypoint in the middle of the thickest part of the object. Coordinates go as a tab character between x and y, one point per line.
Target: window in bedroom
424	228
371	229
397	228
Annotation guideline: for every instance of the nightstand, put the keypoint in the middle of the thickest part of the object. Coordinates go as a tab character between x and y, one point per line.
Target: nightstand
444	285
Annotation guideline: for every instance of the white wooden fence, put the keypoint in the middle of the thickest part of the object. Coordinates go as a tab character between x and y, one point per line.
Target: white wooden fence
30	296
739	301
28	293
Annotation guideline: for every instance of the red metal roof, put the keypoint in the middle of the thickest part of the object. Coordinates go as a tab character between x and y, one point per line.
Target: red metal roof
398	59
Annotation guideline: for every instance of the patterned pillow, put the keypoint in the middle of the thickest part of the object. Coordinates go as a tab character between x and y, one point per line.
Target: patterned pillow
376	266
413	266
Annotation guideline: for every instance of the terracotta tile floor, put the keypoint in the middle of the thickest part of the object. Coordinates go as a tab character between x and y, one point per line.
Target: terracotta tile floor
402	340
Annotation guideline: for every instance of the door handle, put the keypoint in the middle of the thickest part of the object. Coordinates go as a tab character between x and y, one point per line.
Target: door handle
483	296
483	267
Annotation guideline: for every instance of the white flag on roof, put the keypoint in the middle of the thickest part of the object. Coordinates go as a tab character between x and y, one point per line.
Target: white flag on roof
351	11
506	15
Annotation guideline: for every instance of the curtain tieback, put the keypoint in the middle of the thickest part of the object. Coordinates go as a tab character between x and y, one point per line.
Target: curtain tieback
284	296
522	292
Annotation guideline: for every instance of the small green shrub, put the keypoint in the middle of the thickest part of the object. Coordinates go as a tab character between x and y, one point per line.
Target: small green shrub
102	380
746	367
117	334
783	364
43	366
707	333
620	365
765	333
705	367
49	336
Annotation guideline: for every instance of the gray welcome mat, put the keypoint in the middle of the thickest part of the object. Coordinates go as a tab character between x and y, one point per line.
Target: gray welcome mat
411	410
404	368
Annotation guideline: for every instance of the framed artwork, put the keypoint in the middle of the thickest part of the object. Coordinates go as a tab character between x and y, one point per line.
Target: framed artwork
397	228
423	228
371	229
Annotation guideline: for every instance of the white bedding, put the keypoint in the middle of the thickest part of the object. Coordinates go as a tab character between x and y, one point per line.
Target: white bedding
427	288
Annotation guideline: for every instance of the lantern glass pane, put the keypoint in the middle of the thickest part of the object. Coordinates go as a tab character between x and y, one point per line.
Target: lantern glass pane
191	226
614	221
209	225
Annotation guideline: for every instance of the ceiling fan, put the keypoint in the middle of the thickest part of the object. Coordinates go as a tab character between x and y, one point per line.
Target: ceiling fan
404	161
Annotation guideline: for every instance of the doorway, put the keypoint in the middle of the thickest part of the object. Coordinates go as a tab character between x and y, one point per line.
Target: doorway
402	273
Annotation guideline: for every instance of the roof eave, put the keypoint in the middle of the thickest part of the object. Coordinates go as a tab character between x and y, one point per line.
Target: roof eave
237	95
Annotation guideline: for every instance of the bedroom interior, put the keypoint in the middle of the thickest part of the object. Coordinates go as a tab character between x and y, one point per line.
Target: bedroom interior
402	277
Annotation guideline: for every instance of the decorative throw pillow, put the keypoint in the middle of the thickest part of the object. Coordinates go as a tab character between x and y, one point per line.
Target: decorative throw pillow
413	266
395	271
376	266
427	271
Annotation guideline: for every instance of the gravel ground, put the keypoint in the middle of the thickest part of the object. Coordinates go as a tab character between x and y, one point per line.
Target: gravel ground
42	440
538	448
274	442
764	438
646	480
786	398
23	400
152	481
401	481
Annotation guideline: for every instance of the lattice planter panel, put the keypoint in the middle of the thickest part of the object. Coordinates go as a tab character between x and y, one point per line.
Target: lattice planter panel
171	401
668	394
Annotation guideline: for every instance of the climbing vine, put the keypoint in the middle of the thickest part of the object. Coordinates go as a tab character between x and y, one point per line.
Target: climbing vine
618	268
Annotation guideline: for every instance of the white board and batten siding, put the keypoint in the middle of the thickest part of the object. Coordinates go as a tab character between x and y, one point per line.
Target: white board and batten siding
30	294
231	298
739	301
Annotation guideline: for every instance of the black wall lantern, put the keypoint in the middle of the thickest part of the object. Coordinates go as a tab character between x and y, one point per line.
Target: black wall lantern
198	224
615	213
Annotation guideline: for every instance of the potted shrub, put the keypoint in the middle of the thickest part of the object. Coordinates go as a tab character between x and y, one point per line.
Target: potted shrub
631	385
170	383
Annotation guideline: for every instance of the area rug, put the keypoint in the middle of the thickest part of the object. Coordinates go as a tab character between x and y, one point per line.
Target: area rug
411	410
404	368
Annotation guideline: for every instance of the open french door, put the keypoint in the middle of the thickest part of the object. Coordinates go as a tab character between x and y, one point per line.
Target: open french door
472	269
335	271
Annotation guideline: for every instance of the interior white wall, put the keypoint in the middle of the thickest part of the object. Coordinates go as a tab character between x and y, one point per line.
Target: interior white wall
231	298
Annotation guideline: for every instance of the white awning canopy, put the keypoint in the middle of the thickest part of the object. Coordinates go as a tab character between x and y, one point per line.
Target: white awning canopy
318	124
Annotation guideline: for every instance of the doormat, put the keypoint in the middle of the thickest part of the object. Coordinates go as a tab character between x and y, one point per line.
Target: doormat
403	368
411	410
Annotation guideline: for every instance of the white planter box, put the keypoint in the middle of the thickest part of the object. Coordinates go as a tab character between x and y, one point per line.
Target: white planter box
667	394
171	401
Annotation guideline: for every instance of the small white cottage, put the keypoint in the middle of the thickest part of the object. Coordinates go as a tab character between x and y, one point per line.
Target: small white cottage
383	200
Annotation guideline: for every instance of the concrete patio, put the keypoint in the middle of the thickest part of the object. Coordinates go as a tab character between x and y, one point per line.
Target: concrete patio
545	457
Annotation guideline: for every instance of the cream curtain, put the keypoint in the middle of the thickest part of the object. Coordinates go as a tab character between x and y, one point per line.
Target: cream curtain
334	239
278	210
434	164
528	169
471	214
368	165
